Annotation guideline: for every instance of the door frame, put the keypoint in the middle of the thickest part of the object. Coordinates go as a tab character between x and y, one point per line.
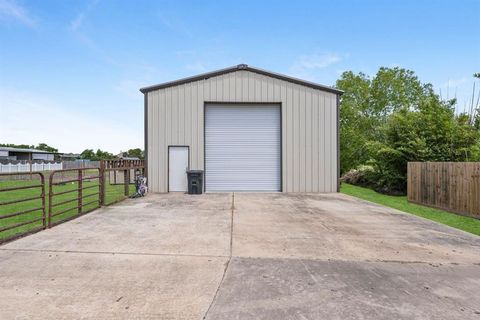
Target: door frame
236	103
168	161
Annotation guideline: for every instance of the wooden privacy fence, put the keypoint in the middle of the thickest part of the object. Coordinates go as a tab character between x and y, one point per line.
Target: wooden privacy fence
451	186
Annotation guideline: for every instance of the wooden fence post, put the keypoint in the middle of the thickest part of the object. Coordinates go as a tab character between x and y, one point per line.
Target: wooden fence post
126	180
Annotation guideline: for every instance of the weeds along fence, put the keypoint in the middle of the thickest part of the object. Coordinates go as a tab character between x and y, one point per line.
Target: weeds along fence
451	186
44	199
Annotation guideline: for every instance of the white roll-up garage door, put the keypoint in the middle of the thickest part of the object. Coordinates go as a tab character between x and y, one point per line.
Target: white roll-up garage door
242	148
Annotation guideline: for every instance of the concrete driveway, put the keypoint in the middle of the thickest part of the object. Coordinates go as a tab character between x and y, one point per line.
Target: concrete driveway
243	256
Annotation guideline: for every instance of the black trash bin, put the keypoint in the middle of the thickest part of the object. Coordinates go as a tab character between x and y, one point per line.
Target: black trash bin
195	181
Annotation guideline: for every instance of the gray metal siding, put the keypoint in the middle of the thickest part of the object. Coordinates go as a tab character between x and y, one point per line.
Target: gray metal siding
309	120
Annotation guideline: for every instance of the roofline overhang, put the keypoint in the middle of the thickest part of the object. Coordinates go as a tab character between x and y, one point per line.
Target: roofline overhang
245	67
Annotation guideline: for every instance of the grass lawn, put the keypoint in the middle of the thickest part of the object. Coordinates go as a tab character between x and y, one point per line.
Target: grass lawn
400	203
112	193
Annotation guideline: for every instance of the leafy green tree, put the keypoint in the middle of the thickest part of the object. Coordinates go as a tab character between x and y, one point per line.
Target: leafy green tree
46	147
137	152
95	156
40	146
432	132
396	88
12	145
88	154
104	155
357	127
394	118
367	104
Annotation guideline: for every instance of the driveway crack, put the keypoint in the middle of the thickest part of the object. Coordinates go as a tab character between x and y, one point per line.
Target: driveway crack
232	210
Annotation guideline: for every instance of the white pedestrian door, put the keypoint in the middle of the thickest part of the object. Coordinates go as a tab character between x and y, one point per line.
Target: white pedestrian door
242	148
177	168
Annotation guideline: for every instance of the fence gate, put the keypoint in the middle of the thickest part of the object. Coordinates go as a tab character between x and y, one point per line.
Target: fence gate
73	192
25	207
22	204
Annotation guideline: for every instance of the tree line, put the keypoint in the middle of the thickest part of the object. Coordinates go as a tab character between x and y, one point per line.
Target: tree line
393	118
87	154
105	155
40	146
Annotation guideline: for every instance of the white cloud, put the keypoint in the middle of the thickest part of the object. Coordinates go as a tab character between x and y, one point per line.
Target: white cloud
307	66
11	9
31	119
314	61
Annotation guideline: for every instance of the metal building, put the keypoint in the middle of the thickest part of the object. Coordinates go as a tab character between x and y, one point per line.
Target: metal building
247	128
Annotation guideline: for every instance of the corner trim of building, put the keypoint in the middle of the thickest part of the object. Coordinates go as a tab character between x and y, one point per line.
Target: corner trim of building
338	143
145	139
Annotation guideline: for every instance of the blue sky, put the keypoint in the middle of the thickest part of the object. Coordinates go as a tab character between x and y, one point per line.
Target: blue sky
70	70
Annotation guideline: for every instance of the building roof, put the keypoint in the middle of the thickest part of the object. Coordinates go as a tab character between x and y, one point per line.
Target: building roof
129	158
71	155
24	150
245	67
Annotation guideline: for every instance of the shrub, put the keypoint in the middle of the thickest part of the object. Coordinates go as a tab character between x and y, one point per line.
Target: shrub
363	176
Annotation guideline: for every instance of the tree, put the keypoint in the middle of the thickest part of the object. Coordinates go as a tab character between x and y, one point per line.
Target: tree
394	118
40	146
104	155
137	152
367	104
356	125
431	132
45	147
88	154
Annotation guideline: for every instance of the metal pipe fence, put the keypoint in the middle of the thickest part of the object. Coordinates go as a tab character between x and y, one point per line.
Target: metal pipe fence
59	192
71	193
28	217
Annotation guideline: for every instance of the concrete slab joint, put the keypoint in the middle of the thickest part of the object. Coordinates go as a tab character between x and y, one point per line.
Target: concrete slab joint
243	256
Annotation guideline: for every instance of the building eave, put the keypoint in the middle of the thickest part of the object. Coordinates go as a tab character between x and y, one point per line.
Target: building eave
241	67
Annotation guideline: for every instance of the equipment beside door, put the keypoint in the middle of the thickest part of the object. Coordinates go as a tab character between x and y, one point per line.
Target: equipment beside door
178	165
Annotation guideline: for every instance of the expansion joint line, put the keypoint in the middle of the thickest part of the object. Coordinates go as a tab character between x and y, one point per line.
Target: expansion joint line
232	210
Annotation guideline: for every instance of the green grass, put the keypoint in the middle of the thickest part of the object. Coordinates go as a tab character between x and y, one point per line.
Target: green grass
467	224
113	193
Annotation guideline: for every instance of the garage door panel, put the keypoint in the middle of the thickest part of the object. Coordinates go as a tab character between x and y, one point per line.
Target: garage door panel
242	148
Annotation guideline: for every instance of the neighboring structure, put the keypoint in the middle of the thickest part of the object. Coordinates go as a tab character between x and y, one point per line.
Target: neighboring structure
121	156
70	156
249	129
8	153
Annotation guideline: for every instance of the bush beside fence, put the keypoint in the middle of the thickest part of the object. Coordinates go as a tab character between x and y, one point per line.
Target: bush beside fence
451	186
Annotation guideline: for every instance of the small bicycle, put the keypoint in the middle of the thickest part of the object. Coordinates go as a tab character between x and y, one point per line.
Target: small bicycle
140	186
